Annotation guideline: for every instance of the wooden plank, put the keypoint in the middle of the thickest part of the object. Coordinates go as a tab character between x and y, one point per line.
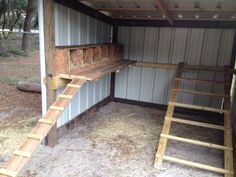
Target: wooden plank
200	93
35	136
202	81
195	142
209	69
65	96
195	123
156	65
22	153
45	121
196	165
7	172
167	123
56	108
228	156
74	85
202	108
161	7
100	72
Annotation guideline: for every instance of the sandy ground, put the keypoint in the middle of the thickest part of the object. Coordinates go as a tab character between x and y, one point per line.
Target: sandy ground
19	111
120	141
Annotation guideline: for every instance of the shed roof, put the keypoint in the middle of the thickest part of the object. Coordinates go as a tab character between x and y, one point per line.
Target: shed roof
171	10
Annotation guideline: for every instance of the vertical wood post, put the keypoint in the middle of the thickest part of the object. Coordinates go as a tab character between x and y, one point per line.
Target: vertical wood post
49	32
113	75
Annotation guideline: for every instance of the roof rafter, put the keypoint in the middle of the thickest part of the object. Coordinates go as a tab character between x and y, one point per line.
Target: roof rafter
163	10
137	10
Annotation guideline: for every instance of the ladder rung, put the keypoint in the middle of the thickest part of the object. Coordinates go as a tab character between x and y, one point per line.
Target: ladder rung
202	81
35	136
8	172
196	165
57	108
200	93
22	153
195	123
209	69
74	85
200	143
203	108
45	121
65	96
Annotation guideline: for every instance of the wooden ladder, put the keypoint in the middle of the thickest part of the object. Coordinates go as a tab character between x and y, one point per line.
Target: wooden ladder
13	167
227	128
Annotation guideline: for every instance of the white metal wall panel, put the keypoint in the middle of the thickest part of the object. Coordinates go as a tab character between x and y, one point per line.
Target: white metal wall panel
208	47
74	28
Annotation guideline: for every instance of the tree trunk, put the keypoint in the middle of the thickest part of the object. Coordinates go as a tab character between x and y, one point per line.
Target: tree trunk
28	87
31	13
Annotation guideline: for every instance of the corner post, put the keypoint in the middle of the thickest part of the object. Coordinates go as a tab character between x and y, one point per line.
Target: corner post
49	34
113	75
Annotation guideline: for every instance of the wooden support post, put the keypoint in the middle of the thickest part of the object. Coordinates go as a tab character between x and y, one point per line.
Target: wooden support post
49	33
113	75
228	155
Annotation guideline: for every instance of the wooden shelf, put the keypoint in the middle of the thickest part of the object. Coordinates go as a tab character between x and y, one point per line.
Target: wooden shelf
99	72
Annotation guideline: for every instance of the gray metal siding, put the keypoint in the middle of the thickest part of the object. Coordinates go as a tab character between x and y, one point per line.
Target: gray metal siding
208	47
74	28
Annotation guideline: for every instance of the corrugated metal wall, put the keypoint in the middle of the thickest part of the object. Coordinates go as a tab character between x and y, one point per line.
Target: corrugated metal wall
74	28
208	47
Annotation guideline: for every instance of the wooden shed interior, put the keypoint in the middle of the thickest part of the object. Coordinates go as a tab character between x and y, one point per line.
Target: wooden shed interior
177	55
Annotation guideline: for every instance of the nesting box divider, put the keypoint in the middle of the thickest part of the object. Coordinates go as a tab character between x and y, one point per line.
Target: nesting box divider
104	52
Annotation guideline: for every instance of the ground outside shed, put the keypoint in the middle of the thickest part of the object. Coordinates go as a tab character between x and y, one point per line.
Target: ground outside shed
121	140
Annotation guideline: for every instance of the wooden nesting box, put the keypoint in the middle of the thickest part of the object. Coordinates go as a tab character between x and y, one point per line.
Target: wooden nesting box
74	60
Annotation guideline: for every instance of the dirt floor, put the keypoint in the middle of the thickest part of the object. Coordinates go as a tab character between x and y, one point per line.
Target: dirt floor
120	141
19	111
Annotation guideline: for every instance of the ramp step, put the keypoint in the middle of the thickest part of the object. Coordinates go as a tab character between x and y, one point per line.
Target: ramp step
195	123
65	96
35	136
56	108
22	153
7	172
74	85
45	121
203	108
196	165
200	143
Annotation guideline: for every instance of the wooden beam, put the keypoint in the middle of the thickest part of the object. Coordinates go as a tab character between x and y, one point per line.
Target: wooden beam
228	138
196	165
199	124
190	23
148	10
202	81
200	93
163	10
195	142
173	18
202	108
49	30
80	7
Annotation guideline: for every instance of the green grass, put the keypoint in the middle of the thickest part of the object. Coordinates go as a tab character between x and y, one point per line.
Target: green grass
7	80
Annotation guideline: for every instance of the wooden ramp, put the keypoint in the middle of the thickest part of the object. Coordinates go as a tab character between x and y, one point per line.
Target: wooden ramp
16	163
41	129
227	128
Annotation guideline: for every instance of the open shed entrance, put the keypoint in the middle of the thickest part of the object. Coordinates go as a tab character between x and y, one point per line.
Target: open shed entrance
127	55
